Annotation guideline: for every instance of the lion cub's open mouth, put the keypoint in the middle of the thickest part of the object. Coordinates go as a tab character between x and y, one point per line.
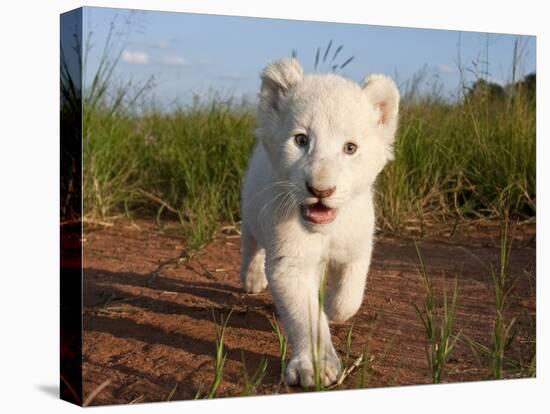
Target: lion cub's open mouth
318	213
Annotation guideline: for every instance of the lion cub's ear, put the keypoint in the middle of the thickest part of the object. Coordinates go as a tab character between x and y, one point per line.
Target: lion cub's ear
277	78
384	95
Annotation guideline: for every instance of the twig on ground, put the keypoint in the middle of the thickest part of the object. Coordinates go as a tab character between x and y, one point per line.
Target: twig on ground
209	274
96	392
347	372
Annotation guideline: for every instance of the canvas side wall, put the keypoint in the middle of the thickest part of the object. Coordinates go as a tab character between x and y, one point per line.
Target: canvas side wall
71	206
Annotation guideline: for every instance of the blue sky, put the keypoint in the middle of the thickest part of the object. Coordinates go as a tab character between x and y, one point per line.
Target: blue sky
196	54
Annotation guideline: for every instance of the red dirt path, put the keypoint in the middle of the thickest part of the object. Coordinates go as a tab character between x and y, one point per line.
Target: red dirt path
149	329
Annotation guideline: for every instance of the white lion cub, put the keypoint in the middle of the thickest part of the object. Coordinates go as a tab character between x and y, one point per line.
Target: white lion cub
307	202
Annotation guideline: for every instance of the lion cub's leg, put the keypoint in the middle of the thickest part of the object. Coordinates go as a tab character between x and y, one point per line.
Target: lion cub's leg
294	286
253	277
345	287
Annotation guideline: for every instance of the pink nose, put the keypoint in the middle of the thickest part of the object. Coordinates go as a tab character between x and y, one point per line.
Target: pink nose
320	193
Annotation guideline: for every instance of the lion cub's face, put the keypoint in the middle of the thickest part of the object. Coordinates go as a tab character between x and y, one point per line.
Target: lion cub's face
326	136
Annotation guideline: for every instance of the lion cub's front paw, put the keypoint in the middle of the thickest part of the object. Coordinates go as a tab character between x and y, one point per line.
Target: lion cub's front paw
300	371
254	282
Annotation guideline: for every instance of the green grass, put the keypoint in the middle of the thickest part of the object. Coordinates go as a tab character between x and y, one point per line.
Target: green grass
438	323
219	359
185	165
348	345
497	353
282	341
252	382
502	330
460	161
364	368
453	162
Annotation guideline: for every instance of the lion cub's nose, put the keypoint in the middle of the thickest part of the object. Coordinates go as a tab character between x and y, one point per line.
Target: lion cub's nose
320	193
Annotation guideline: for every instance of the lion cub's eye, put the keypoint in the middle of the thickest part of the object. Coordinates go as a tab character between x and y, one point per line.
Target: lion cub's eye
350	148
301	140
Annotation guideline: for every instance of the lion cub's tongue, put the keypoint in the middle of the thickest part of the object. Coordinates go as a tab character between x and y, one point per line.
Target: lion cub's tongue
319	213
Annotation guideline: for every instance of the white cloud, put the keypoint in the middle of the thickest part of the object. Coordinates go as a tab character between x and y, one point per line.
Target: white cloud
173	60
140	58
444	68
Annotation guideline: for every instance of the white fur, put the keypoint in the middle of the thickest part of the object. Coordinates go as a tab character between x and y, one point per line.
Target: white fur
278	245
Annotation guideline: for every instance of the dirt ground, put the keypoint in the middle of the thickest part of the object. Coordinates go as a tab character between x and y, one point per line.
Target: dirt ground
149	328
